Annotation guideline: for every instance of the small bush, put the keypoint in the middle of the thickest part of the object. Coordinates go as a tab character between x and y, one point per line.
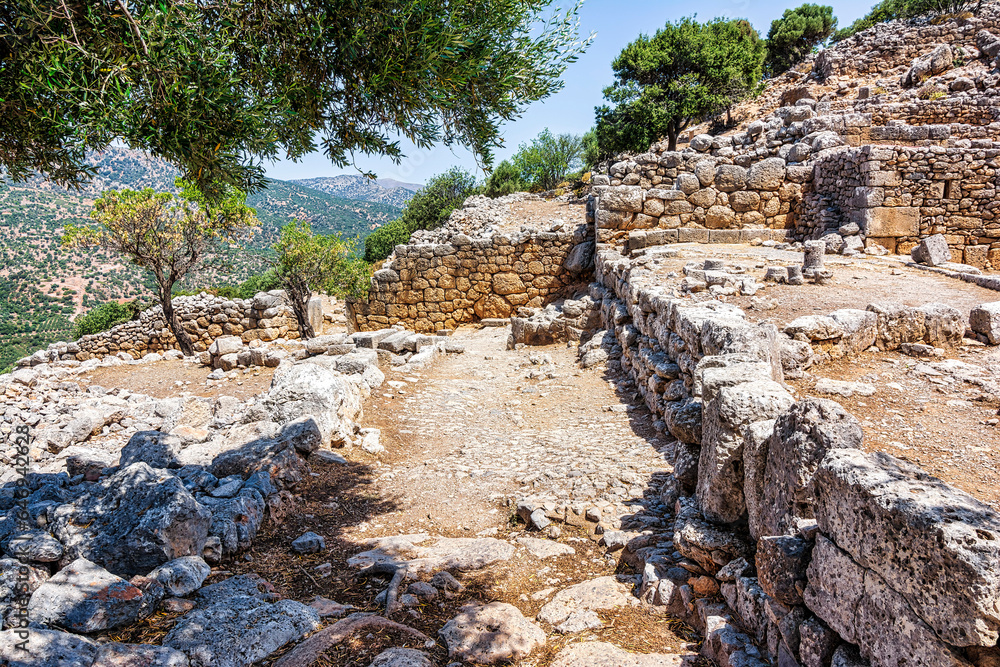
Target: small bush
383	240
936	95
429	208
504	180
102	318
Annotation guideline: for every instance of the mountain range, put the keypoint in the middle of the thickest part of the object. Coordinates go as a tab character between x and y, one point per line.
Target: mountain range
382	190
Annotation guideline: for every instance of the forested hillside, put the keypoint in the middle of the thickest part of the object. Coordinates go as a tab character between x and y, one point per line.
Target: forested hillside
42	285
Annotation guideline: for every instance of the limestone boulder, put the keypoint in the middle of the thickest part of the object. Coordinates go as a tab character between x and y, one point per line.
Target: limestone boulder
84	597
802	436
938	547
898	324
720	489
155	448
490	634
132	521
37	647
985	319
932	251
860	606
309	390
944	325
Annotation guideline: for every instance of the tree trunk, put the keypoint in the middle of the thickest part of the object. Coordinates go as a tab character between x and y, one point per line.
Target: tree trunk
299	294
174	324
672	139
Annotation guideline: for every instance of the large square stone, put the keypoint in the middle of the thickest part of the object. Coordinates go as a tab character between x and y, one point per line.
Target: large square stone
891	221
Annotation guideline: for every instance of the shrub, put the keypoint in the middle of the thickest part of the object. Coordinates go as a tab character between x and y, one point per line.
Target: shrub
504	180
796	34
429	208
102	318
383	240
548	159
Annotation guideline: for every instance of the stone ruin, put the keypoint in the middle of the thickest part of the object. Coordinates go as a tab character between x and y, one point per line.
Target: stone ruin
786	544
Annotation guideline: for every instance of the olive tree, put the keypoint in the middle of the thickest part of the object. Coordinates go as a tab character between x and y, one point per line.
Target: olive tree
219	87
168	234
308	263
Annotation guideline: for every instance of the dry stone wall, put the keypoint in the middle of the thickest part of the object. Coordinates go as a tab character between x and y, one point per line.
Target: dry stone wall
435	286
266	317
887	46
819	548
901	194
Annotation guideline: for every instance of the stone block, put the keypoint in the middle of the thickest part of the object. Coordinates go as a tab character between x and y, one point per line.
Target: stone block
938	547
725	236
860	606
802	437
932	251
781	567
985	319
898	324
890	221
720	469
692	235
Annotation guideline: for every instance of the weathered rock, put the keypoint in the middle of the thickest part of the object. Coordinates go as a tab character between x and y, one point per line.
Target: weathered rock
17	582
705	543
599	594
159	450
132	521
83	597
684	421
545	548
859	327
308	543
935	62
235	521
898	324
933	251
842	388
938	547
34	647
862	609
488	634
182	576
236	626
802	437
944	325
402	657
985	319
277	457
138	655
421	555
768	174
581	258
781	567
720	468
307	389
602	654
303	434
816	643
34	546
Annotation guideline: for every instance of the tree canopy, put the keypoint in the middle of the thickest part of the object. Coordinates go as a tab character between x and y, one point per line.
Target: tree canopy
796	34
217	87
686	72
548	158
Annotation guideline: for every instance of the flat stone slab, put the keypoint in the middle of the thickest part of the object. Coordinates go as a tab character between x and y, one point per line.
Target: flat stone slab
423	553
545	548
842	388
402	657
488	634
594	595
46	648
603	654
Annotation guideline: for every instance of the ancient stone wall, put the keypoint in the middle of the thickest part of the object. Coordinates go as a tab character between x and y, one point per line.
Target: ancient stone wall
897	195
901	194
266	317
674	191
886	46
819	548
434	286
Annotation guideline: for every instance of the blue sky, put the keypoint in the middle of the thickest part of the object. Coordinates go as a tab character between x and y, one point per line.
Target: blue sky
616	23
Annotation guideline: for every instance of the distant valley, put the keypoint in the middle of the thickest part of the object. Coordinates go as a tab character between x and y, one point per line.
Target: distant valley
42	286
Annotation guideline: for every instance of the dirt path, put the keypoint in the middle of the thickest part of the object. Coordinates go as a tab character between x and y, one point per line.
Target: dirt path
464	439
